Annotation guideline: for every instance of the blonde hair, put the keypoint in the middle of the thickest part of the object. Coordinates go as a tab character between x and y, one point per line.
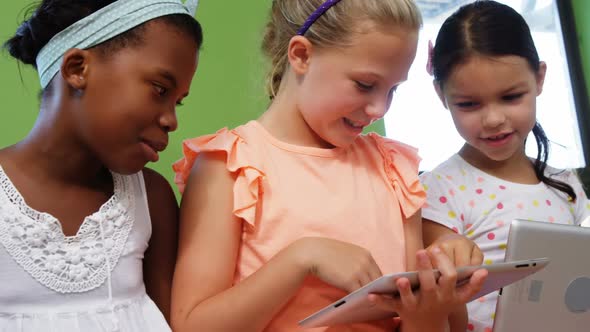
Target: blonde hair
333	29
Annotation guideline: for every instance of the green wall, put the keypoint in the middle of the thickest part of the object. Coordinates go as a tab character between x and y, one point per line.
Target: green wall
581	11
19	99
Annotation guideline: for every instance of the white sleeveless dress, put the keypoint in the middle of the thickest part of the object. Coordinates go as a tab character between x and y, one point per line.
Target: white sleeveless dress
89	282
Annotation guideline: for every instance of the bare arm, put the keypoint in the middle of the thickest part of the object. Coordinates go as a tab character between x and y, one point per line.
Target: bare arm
432	231
414	232
160	256
413	238
203	289
461	251
414	243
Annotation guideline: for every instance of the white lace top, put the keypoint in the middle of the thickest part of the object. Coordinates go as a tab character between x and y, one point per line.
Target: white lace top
89	282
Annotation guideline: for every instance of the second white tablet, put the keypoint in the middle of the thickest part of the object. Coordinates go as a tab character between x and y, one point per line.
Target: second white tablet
355	307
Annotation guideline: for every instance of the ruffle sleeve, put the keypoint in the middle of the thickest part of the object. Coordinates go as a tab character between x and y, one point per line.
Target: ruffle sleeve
248	187
401	167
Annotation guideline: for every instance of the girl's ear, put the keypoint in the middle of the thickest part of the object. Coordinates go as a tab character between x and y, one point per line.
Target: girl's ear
74	68
299	53
440	93
540	76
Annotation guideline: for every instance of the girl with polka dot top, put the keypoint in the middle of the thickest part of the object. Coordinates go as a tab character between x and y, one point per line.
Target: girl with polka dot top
478	191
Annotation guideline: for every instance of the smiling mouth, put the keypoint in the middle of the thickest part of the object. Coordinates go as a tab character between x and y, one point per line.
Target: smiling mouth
356	125
497	137
156	146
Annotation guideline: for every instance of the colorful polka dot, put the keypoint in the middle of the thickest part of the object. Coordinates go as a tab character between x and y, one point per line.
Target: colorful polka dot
452	215
438	176
455	229
471	232
470	327
425	187
449	177
462	188
480	179
551	219
502	246
588	206
493	196
442	199
491	236
462	217
468	226
500	206
487	329
536	203
520	206
472	203
488	262
479	191
548	202
502	187
481	299
451	192
500	223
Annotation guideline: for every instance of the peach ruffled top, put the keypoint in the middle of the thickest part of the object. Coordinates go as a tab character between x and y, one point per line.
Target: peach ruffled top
284	192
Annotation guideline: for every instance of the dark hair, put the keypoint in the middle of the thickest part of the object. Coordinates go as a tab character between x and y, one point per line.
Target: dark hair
53	16
490	28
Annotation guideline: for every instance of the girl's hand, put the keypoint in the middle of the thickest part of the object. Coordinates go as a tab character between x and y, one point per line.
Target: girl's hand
428	309
340	264
460	250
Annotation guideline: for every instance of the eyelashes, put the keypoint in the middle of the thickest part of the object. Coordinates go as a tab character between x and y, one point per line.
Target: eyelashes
162	91
509	98
364	86
369	87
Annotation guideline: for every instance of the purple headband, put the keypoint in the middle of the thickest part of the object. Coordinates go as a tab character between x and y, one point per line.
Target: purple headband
315	15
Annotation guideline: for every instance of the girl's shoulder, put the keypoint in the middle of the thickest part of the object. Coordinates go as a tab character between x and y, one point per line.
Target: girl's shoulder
394	152
400	165
400	160
452	168
566	175
391	144
239	145
569	176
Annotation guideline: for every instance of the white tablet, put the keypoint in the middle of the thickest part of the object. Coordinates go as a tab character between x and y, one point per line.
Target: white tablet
557	298
355	307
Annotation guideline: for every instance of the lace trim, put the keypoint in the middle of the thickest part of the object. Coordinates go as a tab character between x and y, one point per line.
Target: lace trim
66	264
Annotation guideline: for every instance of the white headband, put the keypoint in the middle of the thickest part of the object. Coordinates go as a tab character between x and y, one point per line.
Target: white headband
102	25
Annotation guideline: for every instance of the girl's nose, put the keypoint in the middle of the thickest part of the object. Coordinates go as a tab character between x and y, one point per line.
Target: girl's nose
493	117
377	109
168	121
